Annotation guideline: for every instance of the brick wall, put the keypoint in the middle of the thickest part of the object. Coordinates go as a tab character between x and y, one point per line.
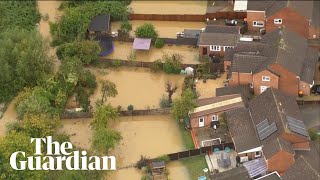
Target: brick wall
254	16
288	81
217	53
291	20
240	79
195	121
314	31
293	138
257	81
305	87
280	162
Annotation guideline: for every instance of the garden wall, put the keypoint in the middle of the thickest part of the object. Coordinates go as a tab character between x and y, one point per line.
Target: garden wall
188	17
176	41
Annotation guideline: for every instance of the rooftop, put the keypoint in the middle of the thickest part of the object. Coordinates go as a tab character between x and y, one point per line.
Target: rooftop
100	23
301	169
222	39
239	173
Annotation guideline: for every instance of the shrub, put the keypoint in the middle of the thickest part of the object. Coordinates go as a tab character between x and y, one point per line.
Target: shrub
146	30
116	63
172	63
130	107
159	43
313	135
164	158
83	98
157	65
164	102
125	27
88	80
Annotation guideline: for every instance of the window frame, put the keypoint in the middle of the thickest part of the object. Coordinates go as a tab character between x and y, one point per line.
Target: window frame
215	48
256	25
259	154
277	21
227	47
266	78
216	117
200	119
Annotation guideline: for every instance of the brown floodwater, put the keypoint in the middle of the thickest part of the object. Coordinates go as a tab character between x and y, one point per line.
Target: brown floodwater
137	86
165	29
50	9
9	116
208	89
123	49
169	7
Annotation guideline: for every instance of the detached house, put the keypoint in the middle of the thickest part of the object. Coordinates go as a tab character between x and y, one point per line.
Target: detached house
271	14
215	40
271	127
282	60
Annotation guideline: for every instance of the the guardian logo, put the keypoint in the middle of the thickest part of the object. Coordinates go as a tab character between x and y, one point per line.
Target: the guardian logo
62	158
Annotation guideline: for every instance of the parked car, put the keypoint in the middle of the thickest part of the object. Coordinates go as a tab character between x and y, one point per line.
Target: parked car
231	22
315	89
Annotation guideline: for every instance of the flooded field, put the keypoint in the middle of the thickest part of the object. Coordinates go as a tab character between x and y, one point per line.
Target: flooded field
136	86
165	29
8	117
169	7
123	49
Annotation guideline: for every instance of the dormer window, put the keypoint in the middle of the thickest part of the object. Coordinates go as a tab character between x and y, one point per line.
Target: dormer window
277	21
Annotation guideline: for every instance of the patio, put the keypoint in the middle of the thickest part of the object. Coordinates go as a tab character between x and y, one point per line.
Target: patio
214	159
207	136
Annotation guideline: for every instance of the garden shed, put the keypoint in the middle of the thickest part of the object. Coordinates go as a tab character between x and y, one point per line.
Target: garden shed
141	44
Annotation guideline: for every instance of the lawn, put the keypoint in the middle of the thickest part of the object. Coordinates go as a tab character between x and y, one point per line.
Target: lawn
186	137
195	166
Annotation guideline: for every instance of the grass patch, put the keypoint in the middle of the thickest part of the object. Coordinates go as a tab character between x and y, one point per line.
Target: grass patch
195	166
186	137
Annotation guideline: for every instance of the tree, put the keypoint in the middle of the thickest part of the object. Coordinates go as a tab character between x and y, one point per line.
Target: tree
103	115
39	126
170	89
125	27
108	89
146	30
172	63
183	105
159	43
105	139
87	51
24	61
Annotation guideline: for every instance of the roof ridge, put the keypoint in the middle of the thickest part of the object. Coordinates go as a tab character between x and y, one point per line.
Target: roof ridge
279	143
277	105
310	165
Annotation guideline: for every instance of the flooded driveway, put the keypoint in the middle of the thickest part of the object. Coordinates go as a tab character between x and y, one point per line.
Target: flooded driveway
123	49
168	7
165	29
137	86
150	136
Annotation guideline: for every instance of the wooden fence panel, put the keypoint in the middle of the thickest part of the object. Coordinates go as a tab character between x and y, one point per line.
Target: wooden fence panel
195	152
173	156
184	154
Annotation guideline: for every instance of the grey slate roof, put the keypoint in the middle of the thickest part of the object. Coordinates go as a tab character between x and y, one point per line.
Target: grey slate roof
316	13
312	156
272	6
191	33
274	106
244	90
270	176
239	173
301	169
246	63
222	39
100	23
309	66
276	145
242	130
222	29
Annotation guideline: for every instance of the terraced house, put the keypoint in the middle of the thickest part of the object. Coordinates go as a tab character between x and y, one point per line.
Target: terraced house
282	60
271	128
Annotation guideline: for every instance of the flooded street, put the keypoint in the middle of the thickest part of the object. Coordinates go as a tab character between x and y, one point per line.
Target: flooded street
123	49
137	86
165	29
49	9
168	7
8	117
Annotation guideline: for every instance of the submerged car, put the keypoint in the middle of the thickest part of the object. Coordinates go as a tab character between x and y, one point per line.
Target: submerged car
315	89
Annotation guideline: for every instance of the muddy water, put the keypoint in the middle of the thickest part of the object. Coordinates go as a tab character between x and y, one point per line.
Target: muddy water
208	89
137	86
123	49
8	117
169	7
177	171
151	136
165	29
50	9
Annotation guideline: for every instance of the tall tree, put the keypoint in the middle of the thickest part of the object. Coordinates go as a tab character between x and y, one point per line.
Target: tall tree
103	115
108	89
183	105
170	89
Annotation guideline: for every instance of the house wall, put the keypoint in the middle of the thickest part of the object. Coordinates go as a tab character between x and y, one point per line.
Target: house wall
288	81
305	87
293	138
280	162
314	31
216	53
255	16
291	20
240	79
194	122
257	81
225	65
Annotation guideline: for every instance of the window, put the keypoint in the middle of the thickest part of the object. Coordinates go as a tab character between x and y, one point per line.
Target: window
257	154
263	88
227	47
258	23
277	21
201	120
215	48
265	78
215	118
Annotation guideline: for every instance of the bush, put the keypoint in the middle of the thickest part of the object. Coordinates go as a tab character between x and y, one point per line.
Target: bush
125	27
164	102
130	107
164	158
313	135
83	98
159	43
116	63
146	30
172	63
88	80
157	65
